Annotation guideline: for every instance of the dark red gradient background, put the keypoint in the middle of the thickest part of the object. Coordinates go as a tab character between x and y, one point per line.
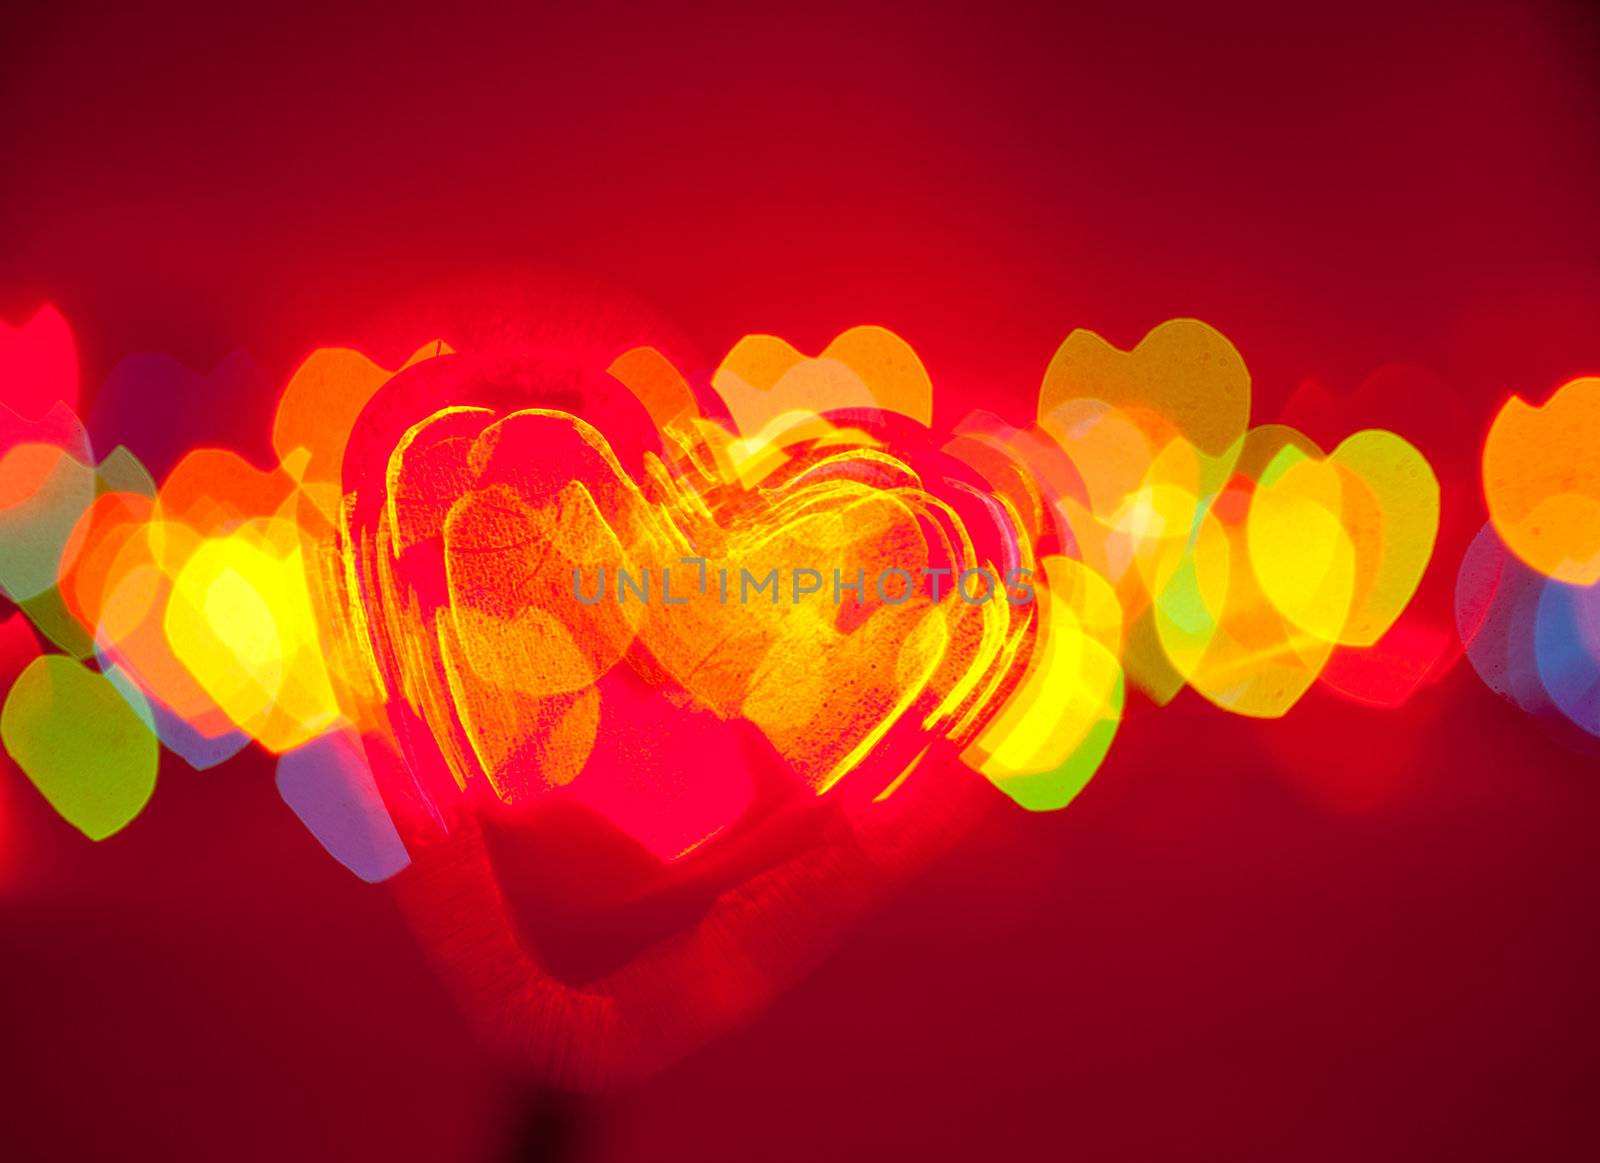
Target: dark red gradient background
1349	934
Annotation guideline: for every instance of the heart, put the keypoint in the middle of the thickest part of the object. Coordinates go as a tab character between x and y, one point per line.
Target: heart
522	580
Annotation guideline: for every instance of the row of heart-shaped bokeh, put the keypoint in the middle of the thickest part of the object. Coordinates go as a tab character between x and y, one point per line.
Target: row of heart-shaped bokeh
1175	545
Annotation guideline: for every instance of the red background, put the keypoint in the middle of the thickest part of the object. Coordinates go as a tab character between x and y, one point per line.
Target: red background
1349	934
